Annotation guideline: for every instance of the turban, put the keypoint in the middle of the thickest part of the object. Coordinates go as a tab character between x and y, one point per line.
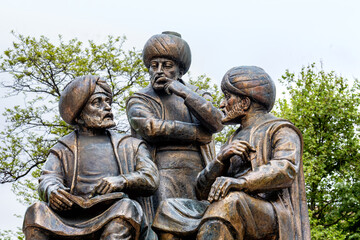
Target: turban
76	94
252	82
168	45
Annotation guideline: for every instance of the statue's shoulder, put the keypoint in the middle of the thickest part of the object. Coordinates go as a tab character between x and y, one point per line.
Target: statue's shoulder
65	142
146	91
144	95
273	124
124	139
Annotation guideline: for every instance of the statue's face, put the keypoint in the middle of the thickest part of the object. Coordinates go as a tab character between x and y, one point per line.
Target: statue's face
232	108
97	112
160	68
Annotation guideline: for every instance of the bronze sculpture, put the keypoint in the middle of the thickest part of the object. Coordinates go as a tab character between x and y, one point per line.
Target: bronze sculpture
255	185
173	117
94	179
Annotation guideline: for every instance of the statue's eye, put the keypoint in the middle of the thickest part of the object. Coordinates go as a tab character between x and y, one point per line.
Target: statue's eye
168	64
95	102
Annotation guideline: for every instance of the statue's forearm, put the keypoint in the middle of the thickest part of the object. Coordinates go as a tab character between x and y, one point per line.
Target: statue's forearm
278	174
204	111
207	177
157	130
144	181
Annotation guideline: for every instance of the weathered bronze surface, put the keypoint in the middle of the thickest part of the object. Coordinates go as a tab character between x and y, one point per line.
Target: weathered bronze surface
255	186
94	181
175	118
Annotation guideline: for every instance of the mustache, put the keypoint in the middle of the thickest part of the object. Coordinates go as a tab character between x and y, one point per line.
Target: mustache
108	115
155	77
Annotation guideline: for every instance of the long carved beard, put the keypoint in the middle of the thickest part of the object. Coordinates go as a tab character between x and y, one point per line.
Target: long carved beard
236	112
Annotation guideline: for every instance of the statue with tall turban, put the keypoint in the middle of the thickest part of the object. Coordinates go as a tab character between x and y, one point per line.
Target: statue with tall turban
95	181
254	188
173	117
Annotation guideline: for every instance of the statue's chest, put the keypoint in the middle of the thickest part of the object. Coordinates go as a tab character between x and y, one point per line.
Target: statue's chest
175	108
96	157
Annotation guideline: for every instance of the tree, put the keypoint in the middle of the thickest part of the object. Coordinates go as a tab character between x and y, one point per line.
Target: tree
326	110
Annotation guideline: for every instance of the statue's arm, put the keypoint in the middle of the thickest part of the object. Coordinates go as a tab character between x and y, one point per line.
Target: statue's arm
201	106
207	177
144	119
145	179
52	177
283	167
204	111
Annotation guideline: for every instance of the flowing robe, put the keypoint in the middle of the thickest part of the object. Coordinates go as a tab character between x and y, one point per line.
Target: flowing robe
170	128
61	170
275	176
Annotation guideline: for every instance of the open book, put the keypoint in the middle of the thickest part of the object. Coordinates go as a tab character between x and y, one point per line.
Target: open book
90	202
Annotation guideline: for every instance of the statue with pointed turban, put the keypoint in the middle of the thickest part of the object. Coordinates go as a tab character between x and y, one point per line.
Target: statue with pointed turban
254	187
173	117
94	181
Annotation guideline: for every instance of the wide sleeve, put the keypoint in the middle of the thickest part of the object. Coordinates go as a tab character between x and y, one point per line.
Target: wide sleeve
144	181
146	120
284	164
52	175
207	177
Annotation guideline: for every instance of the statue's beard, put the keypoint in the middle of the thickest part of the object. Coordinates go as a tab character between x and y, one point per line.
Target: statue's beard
98	122
234	115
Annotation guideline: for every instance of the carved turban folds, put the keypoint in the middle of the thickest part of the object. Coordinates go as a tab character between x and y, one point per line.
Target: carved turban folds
168	45
252	82
76	94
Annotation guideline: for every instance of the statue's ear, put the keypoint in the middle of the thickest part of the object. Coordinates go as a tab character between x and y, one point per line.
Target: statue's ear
246	102
79	120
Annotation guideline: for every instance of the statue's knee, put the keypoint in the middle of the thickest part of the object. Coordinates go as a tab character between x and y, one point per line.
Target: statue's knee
168	236
118	229
32	233
214	230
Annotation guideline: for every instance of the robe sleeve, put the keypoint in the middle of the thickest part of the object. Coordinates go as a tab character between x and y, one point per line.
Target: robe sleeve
52	176
144	181
283	166
204	111
207	177
144	119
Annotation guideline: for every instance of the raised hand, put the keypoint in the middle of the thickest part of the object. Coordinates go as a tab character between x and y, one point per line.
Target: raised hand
176	87
236	147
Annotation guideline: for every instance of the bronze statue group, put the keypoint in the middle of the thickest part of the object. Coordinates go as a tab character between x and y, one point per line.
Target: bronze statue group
165	181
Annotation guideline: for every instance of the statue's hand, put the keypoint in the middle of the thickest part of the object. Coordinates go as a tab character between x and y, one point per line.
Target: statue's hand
110	184
223	185
236	147
176	87
203	136
59	202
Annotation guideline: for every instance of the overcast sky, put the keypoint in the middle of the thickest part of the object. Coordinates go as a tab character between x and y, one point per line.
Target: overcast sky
273	34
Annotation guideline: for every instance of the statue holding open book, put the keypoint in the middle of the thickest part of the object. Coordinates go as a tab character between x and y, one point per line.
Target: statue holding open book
95	181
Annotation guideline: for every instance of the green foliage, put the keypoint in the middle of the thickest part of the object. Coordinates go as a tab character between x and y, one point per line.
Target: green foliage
326	110
10	235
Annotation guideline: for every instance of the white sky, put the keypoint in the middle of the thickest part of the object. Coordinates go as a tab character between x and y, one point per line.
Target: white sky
272	34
